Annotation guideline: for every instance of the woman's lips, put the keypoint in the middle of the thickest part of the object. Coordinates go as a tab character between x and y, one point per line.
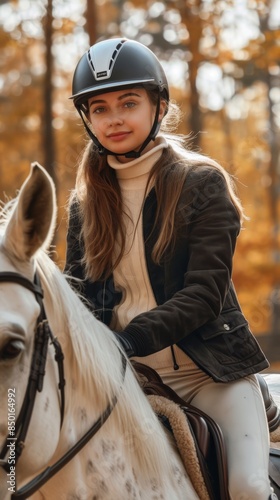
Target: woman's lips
118	136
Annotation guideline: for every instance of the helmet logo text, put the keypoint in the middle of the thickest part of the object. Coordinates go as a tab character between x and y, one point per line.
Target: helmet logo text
101	74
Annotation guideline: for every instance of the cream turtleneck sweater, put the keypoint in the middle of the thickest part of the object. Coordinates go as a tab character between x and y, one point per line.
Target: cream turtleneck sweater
131	275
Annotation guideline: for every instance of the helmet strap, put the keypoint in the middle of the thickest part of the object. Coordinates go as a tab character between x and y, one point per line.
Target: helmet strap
130	154
101	150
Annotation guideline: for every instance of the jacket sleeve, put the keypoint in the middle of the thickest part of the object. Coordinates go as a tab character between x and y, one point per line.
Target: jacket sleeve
211	226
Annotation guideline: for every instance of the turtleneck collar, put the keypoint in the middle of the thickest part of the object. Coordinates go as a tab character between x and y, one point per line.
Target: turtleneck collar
139	166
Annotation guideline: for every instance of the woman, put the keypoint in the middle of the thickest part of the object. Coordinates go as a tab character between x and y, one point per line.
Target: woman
152	232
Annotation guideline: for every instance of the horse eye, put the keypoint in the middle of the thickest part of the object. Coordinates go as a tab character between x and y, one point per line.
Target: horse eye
12	349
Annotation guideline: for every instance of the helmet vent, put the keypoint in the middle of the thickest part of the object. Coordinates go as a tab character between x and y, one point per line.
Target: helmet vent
102	63
115	53
90	61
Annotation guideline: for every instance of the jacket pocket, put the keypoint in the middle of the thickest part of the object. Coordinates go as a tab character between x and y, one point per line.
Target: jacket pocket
228	321
229	340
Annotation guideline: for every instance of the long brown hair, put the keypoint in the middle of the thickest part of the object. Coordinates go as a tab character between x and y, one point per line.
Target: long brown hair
101	208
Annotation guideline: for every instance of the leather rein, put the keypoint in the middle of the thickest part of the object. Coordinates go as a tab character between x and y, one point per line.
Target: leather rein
43	335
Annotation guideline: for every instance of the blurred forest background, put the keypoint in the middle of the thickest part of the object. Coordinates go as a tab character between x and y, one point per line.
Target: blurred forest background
222	59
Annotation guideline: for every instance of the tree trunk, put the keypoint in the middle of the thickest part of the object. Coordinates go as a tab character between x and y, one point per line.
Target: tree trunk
91	21
191	18
48	132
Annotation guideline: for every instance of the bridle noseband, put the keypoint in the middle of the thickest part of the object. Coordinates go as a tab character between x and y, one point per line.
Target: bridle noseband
43	335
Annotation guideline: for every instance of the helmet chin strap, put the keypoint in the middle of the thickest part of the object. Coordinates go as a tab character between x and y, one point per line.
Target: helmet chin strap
129	154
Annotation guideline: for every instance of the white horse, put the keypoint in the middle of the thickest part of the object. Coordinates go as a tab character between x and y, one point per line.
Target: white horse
131	456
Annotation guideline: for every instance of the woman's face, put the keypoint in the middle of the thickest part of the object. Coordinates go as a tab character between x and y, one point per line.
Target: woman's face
123	119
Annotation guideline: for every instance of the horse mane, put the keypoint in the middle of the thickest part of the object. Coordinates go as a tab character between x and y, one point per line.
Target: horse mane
96	367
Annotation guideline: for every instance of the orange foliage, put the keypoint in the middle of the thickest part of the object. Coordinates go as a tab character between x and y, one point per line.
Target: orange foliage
238	135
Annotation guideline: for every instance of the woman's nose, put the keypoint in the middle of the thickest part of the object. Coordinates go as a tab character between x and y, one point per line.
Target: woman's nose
115	118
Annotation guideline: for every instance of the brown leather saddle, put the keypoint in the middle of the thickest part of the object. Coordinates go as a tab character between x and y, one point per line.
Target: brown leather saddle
207	435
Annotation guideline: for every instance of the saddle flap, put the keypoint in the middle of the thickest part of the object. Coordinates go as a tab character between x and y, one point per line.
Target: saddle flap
201	431
207	435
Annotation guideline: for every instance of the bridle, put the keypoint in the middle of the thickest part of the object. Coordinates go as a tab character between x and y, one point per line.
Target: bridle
43	335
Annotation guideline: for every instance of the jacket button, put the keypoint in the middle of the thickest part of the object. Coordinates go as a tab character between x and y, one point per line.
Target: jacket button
226	326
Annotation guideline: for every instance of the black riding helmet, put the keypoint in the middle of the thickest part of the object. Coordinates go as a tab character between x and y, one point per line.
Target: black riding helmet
116	64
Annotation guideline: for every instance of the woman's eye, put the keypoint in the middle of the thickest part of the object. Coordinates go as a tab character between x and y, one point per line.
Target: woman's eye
97	111
11	350
129	104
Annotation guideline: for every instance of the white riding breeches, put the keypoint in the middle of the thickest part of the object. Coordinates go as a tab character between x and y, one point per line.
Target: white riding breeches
239	410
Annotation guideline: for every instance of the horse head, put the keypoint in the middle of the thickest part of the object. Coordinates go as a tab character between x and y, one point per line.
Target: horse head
25	229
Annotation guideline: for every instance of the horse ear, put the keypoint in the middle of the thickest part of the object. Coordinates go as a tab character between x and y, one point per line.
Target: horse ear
32	223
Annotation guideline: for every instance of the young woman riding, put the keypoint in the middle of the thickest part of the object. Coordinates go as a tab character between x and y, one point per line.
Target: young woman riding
152	233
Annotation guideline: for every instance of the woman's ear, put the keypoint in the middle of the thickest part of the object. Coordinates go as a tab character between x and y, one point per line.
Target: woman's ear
162	109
